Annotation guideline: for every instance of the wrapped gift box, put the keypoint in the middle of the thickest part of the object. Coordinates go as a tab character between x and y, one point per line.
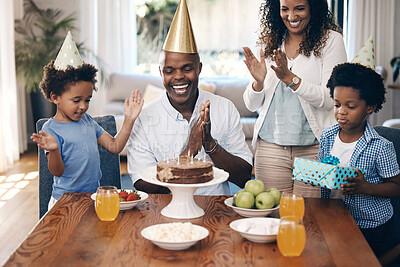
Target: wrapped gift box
323	174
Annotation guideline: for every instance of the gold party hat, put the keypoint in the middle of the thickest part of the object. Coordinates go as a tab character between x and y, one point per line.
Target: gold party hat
180	36
68	55
366	55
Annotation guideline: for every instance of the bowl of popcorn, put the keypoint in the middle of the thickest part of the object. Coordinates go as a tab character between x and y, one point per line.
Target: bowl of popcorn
175	236
259	230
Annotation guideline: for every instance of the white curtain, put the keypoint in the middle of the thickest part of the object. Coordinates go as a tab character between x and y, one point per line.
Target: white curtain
376	18
108	28
9	138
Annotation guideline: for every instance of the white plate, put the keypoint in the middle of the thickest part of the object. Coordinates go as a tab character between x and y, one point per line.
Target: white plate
175	245
127	204
150	175
249	212
271	223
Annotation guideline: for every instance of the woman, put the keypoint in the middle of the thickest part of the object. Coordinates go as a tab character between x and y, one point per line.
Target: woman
301	45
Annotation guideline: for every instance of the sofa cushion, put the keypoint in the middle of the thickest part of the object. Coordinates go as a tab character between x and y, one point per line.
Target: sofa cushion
248	126
207	86
233	89
151	92
114	108
122	84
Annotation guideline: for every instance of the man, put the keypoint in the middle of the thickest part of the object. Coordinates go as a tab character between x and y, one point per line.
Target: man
186	120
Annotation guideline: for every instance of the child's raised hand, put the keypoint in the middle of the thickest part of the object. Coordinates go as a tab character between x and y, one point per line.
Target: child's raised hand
357	185
133	105
132	108
45	141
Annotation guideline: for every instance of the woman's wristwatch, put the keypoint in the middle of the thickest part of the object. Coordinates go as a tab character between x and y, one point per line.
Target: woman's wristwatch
295	81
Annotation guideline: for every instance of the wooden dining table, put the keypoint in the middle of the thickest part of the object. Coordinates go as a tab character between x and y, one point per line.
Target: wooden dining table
71	234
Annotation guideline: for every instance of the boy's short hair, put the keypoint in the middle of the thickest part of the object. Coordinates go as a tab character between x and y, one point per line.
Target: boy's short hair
365	80
58	81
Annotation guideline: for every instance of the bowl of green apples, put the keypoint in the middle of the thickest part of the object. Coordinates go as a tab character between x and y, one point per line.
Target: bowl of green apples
254	200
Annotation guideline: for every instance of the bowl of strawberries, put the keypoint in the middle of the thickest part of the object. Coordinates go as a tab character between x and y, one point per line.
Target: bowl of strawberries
128	198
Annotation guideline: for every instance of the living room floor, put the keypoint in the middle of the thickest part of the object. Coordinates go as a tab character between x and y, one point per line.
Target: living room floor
19	201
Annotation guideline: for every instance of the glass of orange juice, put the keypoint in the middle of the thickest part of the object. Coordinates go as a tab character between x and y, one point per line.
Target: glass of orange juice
107	203
291	204
291	237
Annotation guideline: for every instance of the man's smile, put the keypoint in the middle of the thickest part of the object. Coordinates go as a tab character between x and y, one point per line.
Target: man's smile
180	89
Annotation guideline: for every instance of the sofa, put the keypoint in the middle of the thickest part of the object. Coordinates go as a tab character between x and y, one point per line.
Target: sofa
150	86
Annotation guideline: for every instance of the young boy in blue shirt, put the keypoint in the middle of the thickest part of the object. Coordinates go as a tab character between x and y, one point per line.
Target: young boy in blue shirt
71	137
357	92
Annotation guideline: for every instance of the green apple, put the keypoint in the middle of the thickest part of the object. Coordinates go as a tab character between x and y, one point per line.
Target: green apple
235	196
254	186
245	200
276	194
264	201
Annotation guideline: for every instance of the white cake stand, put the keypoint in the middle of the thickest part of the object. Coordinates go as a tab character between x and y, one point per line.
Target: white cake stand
182	205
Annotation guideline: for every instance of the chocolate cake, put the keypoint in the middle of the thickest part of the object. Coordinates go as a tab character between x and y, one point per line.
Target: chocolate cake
186	172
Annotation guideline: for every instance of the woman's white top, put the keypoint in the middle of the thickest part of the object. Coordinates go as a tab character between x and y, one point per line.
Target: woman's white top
313	94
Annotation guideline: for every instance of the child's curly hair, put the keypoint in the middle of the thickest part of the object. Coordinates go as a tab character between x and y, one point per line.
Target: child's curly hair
273	29
58	81
365	80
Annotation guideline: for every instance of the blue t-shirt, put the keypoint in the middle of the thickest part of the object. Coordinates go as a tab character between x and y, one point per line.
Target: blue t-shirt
77	142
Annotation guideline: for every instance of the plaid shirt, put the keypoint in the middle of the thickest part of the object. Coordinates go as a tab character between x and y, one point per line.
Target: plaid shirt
377	157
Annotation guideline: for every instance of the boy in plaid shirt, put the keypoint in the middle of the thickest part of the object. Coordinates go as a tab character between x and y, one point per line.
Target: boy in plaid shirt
357	92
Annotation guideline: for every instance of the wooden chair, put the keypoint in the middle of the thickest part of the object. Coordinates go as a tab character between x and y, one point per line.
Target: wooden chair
109	164
393	135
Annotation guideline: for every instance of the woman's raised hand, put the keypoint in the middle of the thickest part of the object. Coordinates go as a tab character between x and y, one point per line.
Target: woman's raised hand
281	70
257	69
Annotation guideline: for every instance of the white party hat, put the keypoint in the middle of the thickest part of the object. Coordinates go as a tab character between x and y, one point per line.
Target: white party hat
366	55
68	55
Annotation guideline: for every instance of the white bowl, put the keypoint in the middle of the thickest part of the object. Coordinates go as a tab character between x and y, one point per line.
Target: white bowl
126	205
170	245
271	224
249	212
